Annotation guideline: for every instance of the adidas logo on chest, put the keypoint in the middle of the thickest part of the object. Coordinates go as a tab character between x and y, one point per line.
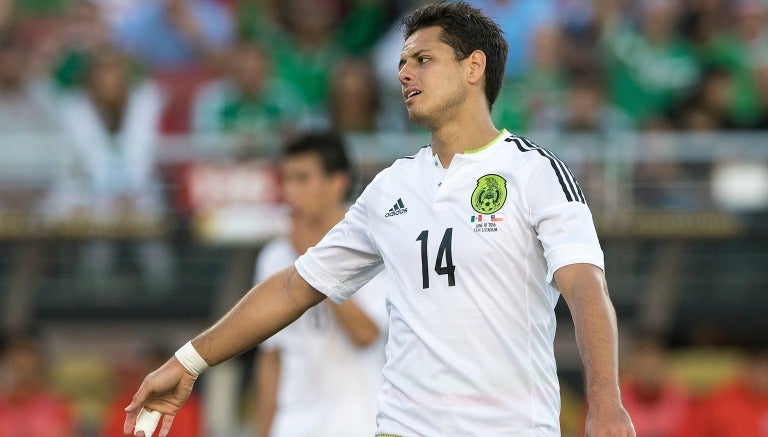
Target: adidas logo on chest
397	209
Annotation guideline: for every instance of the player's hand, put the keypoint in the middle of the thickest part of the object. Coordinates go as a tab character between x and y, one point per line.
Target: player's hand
165	390
609	422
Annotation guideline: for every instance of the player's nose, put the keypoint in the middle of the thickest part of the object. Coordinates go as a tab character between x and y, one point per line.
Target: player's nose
404	75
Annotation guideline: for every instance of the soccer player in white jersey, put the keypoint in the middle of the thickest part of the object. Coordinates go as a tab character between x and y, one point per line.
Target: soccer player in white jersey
332	351
479	234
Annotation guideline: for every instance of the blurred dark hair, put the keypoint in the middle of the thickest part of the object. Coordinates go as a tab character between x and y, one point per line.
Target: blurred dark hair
465	29
327	145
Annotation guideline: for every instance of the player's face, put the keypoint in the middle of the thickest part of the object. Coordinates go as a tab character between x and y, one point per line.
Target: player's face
431	78
308	190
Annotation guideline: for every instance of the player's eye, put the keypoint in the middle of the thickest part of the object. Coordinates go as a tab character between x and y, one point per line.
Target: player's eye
422	59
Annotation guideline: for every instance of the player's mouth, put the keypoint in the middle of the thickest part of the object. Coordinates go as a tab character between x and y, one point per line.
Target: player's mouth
410	93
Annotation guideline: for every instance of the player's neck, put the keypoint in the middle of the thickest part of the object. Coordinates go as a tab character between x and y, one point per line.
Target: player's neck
462	134
331	216
306	231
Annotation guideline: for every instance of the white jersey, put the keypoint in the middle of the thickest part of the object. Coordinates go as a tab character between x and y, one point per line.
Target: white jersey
328	385
470	253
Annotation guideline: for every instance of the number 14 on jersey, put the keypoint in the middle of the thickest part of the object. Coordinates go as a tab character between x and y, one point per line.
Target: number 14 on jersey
443	260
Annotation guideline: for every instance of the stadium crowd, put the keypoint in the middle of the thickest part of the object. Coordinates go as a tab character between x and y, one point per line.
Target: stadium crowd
256	67
114	76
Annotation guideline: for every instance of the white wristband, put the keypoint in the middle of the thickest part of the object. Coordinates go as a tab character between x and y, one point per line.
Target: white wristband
190	359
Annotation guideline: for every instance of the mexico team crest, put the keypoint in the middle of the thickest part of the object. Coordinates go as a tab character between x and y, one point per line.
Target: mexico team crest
489	194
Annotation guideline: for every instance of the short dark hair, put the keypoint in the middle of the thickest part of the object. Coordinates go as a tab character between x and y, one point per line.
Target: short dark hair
465	29
329	146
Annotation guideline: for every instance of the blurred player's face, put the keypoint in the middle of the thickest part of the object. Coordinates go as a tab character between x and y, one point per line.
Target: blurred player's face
431	78
109	82
649	369
308	190
314	20
24	368
659	19
250	70
353	98
12	66
546	48
750	20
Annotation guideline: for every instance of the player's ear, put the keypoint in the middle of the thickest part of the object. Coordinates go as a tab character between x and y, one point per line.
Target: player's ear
475	66
340	181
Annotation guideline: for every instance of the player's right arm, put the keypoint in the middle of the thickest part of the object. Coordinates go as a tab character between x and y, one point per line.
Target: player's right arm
263	311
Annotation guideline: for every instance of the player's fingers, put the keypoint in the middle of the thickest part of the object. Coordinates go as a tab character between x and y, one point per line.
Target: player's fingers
138	399
130	423
166	427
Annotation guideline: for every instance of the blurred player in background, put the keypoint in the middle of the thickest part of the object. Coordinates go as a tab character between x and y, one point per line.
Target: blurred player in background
333	352
28	405
479	233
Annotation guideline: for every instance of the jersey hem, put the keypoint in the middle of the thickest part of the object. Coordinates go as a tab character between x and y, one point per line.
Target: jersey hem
321	280
573	254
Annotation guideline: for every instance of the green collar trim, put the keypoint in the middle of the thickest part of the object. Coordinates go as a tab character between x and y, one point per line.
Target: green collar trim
480	149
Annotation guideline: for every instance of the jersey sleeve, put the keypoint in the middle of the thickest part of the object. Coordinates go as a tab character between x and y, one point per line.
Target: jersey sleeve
560	216
346	258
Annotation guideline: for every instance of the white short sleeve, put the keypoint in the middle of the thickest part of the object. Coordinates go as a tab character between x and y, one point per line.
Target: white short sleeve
560	216
345	259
